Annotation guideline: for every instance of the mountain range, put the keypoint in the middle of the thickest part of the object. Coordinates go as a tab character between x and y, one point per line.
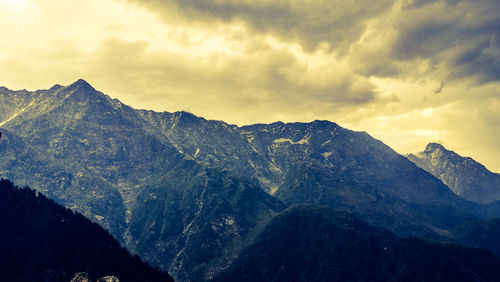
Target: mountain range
189	194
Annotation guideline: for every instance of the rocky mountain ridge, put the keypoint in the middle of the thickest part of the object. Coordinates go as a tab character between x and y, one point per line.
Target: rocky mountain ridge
188	194
466	177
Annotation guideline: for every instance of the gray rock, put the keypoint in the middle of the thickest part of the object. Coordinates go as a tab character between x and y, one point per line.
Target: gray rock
80	277
108	279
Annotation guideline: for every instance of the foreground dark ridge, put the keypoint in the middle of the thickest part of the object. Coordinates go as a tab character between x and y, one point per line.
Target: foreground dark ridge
308	243
43	241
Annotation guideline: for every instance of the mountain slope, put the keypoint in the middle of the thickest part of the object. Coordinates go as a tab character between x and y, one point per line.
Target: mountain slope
111	164
480	234
162	183
346	154
130	168
193	221
94	151
325	164
466	177
43	241
317	163
319	244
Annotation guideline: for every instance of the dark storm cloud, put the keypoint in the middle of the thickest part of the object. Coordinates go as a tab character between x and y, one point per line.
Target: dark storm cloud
462	34
406	71
308	22
420	3
483	62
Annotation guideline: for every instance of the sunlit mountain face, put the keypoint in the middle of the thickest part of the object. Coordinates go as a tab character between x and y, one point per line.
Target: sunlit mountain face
466	177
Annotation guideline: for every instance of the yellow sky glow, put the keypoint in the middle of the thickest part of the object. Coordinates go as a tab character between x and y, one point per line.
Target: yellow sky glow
366	71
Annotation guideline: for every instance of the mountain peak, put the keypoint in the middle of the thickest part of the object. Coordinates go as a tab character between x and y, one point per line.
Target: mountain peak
463	175
55	87
80	83
323	122
432	147
184	116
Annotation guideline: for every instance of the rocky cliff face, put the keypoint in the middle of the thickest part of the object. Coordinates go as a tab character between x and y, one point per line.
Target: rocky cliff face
466	177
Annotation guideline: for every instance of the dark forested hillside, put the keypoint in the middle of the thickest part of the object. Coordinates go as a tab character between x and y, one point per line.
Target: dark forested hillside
43	241
308	243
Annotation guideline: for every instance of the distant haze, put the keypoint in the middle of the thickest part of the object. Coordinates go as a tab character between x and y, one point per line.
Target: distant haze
408	72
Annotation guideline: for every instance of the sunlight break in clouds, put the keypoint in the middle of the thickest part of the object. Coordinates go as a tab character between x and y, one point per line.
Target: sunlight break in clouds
16	6
407	72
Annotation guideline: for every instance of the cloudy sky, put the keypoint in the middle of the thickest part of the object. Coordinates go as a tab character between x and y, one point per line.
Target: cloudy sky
406	71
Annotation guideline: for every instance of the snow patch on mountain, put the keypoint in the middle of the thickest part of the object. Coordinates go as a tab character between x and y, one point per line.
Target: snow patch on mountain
300	142
327	154
17	113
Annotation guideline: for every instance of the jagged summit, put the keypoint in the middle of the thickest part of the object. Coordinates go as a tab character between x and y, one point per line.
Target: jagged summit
439	150
56	87
280	127
323	121
280	123
80	81
84	93
463	175
185	115
82	84
432	147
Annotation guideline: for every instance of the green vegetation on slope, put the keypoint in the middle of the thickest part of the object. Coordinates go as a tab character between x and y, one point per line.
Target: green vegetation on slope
307	243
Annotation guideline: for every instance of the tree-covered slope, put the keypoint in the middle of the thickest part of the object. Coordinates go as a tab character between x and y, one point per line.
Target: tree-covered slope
43	241
307	243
